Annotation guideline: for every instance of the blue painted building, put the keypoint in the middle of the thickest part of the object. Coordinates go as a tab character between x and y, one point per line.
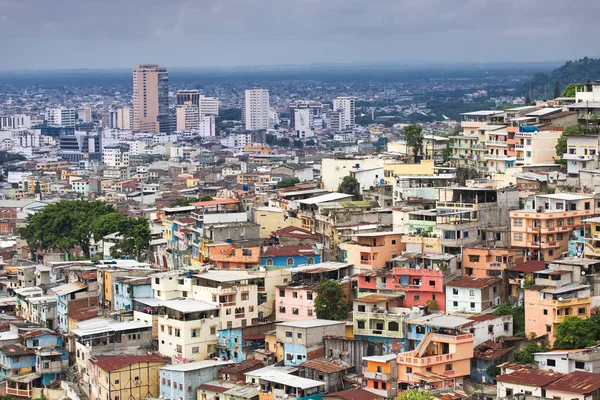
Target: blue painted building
16	360
576	242
181	381
236	344
417	328
127	288
64	295
51	358
289	256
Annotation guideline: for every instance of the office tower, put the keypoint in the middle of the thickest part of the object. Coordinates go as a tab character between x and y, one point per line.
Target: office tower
188	97
84	113
255	110
124	118
207	126
188	117
113	119
60	116
150	98
349	106
79	146
337	120
208	106
19	121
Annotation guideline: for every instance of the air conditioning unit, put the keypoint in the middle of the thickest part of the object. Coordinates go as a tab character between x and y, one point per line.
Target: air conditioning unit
235	288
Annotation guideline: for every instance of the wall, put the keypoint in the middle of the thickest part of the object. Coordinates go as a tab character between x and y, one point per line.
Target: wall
271	219
337	169
303	302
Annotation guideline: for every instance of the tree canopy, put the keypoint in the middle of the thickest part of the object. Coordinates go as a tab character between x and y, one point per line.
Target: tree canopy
135	232
64	225
288	182
518	314
6	157
331	301
561	144
413	135
525	355
576	333
415	394
351	186
571	89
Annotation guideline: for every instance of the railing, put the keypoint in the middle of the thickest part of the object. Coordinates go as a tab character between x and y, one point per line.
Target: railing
520	158
377	375
518	146
19	392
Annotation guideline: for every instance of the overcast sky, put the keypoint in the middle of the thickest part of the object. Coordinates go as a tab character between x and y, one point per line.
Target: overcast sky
44	34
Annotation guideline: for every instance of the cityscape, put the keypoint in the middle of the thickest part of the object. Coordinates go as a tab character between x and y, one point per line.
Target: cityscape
332	229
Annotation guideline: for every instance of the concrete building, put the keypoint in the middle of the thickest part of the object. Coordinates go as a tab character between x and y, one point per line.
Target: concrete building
116	156
84	113
150	98
180	381
255	110
567	361
348	106
473	294
338	168
380	375
60	116
582	153
544	227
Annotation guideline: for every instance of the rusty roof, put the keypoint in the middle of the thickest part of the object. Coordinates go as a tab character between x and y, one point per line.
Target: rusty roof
111	363
326	366
83	314
376	298
241	366
213	388
529	266
491	350
216	202
38	332
530	377
473	283
295	232
353	394
483	317
579	382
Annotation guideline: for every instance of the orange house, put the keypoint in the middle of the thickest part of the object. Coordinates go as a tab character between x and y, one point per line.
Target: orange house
226	255
380	375
483	262
544	229
372	251
440	360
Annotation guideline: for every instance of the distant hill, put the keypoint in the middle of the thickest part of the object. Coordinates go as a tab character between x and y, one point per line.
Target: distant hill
580	71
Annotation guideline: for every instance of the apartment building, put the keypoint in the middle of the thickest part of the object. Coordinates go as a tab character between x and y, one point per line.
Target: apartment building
150	98
567	361
180	381
276	384
544	228
380	375
463	213
486	262
582	153
255	110
473	294
534	145
373	251
552	298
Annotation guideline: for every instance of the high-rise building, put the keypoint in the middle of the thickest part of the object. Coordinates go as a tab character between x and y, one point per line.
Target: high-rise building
188	97
188	117
208	106
124	118
84	113
150	98
336	120
19	121
348	104
255	111
61	116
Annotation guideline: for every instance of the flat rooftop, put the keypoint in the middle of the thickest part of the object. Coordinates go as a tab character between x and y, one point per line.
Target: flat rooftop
311	323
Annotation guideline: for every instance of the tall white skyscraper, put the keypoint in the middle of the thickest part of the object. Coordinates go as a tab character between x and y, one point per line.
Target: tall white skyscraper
84	113
255	111
208	105
61	116
348	104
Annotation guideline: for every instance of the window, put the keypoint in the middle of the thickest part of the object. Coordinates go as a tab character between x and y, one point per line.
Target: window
454	291
281	293
518	237
432	283
548	328
116	381
299	335
393	326
455	304
213	330
361	324
551	362
393	241
311	260
465	234
290	262
545	312
490	329
570	221
195	350
472	293
361	308
416	297
162	328
506	326
408	370
177	332
375	385
295	311
194	332
269	262
170	330
295	295
579	365
383	386
586	205
282	309
309	312
518	222
559	236
472	305
473	258
309	296
581	310
448	367
245	296
288	334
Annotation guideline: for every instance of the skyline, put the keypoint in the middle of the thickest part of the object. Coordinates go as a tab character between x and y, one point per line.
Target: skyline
215	34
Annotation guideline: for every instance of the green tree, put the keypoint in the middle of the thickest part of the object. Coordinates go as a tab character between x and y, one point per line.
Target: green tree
518	314
493	370
432	305
182	201
331	301
525	355
38	188
6	157
527	99
351	186
107	224
556	89
463	174
310	142
288	182
64	225
298	144
571	89
576	333
447	153
136	234
204	197
416	394
413	135
284	142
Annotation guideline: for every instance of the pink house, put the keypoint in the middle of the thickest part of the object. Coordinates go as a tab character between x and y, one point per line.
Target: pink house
294	302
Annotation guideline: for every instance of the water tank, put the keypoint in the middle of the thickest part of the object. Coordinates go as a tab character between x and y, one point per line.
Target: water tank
245	188
228	240
356	166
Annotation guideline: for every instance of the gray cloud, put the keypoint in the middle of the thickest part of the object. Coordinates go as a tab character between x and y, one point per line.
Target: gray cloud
122	33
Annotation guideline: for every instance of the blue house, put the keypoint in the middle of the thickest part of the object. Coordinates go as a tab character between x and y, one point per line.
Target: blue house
51	358
65	294
180	381
289	256
236	344
417	328
16	360
126	288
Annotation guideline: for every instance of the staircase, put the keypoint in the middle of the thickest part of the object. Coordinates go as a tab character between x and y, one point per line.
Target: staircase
423	345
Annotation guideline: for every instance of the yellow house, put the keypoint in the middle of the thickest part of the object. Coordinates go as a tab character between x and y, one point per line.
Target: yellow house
125	376
272	346
272	218
425	167
592	237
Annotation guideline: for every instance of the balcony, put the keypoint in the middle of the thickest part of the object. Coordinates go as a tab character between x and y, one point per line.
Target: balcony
518	146
501	143
411	359
571	302
552	229
377	376
522	159
52	367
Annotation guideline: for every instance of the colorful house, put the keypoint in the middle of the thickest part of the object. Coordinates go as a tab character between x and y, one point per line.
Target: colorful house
485	262
373	251
380	375
473	294
289	256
